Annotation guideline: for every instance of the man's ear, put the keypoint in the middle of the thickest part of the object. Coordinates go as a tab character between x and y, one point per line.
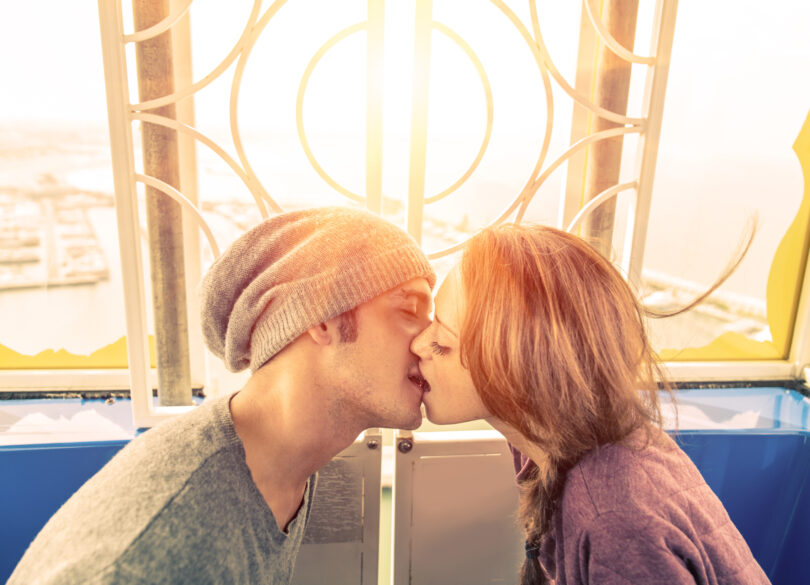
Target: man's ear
322	333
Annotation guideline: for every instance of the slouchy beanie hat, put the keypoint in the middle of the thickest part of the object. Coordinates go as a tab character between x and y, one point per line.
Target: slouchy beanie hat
298	269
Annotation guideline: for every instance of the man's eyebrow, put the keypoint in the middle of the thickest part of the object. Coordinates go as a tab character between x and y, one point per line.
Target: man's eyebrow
439	321
421	296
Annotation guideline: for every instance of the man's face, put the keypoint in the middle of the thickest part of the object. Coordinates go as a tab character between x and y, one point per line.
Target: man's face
377	373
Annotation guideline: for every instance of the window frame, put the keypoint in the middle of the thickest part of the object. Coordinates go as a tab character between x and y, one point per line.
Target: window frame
140	379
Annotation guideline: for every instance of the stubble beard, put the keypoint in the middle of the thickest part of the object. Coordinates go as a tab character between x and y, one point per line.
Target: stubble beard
364	404
370	413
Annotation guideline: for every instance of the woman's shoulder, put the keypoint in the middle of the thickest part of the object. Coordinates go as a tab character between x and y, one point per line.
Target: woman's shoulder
644	499
640	473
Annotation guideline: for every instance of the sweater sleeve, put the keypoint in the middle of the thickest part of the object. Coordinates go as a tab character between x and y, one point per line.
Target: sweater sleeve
617	549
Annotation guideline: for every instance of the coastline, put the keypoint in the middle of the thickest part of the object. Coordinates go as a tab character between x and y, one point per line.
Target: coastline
82	313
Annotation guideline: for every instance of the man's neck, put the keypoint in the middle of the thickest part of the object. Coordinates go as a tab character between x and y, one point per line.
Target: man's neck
288	434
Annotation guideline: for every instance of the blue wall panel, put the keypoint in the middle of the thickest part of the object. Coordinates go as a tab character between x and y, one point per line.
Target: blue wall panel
760	469
35	480
760	477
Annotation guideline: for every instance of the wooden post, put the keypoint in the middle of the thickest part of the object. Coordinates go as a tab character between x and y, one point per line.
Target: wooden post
164	215
610	91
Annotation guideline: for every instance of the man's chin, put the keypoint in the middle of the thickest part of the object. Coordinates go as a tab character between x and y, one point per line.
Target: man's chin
402	421
412	424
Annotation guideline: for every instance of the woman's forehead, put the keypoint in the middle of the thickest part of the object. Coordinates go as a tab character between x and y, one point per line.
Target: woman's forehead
450	300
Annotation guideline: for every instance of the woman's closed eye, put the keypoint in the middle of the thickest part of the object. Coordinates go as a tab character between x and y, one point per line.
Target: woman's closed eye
439	349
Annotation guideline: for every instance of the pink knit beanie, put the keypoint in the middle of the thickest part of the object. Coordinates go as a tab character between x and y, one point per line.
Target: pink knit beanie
298	269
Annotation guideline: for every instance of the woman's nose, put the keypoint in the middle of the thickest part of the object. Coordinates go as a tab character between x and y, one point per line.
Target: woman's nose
419	343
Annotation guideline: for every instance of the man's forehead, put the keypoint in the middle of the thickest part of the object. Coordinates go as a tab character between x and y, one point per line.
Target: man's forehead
415	287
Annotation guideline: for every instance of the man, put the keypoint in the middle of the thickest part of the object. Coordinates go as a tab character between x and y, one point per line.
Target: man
322	306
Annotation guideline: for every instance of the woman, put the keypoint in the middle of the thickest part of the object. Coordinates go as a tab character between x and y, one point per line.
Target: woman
538	334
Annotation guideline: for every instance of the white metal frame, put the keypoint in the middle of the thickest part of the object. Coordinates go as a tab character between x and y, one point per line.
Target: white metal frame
66	380
122	114
489	503
145	413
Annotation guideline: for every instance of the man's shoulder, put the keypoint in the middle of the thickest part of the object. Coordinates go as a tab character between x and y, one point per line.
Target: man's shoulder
208	425
182	469
154	466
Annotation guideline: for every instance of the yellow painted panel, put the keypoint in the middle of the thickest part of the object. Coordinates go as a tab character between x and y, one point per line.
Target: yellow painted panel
729	346
113	355
784	286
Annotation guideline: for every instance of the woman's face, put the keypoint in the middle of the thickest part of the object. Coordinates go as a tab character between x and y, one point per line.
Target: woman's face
452	398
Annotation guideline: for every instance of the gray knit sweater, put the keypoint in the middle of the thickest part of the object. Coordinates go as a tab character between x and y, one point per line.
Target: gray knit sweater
176	505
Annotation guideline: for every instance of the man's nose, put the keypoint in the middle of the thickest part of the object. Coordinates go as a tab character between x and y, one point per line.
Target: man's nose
419	324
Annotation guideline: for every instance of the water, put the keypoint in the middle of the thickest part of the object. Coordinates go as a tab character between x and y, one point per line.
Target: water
83	318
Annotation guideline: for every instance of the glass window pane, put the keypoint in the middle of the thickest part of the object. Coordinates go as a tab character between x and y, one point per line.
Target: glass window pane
738	96
61	301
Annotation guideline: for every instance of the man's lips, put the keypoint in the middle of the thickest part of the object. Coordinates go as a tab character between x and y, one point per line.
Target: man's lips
419	380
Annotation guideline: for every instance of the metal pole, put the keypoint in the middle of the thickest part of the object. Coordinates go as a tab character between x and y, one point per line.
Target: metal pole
164	215
126	208
610	91
187	152
419	117
374	104
654	94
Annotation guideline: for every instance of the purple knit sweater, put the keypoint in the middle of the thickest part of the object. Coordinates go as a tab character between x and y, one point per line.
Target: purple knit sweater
635	514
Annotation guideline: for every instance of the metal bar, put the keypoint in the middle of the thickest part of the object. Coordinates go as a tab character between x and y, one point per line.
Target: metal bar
595	202
572	199
419	117
611	88
372	499
187	157
244	41
179	10
375	62
535	184
299	112
747	370
164	215
401	507
77	380
654	95
111	24
67	380
261	197
192	212
800	341
611	42
539	46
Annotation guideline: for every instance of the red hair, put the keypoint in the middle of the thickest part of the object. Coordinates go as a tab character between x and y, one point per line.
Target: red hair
555	343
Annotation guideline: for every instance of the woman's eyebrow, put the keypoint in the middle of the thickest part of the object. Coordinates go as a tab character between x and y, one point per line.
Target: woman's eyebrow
439	321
